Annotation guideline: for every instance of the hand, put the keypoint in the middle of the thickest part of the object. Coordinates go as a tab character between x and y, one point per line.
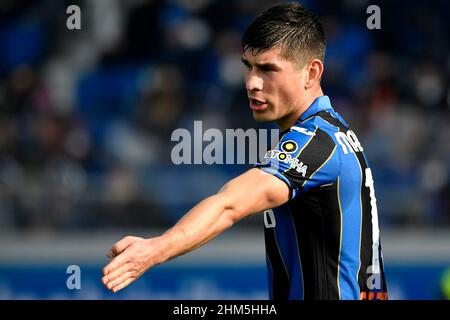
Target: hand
132	256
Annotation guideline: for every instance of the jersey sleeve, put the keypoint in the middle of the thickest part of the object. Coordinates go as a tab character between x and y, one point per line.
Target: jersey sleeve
304	158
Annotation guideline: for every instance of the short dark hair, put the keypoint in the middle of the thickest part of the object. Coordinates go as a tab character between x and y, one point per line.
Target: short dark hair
292	28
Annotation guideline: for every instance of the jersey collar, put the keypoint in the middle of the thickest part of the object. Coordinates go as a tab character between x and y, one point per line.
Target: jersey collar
321	103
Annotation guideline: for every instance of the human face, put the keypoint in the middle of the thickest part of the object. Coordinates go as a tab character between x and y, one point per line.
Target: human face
275	86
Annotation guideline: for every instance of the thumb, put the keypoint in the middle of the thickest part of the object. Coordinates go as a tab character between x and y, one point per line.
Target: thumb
119	246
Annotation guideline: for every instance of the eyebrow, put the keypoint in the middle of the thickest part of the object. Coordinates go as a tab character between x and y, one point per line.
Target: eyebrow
261	65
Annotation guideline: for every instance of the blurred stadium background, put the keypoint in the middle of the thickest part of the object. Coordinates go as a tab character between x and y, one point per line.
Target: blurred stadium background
86	118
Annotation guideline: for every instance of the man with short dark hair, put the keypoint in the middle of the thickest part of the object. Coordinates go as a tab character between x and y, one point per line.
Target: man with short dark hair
315	188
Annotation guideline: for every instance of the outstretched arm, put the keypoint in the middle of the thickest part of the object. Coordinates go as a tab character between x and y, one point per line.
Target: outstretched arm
249	193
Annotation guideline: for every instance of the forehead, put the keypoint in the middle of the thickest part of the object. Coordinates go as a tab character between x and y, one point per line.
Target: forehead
272	56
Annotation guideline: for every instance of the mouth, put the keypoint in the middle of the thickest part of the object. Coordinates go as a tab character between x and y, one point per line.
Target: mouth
257	105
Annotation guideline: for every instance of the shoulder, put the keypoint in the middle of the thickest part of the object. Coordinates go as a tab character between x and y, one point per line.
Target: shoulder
314	131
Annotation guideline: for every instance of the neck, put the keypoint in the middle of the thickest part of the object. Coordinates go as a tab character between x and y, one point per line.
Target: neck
290	119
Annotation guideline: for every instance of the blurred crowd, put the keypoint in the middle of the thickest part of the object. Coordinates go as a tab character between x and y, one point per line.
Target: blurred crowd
86	115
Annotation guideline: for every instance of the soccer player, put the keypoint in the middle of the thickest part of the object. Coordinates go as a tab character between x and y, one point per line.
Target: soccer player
315	188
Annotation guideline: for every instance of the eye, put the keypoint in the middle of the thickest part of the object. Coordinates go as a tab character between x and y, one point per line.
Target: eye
268	69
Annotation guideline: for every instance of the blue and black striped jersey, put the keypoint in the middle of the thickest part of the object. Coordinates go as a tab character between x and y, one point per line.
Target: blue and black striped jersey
324	243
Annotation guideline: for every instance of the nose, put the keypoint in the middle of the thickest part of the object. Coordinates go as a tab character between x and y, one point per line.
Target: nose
253	82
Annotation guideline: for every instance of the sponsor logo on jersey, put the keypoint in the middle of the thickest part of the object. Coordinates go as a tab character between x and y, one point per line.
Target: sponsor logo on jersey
287	158
289	146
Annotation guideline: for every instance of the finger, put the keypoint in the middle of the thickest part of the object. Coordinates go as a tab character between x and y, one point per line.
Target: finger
114	274
123	284
123	277
119	246
116	263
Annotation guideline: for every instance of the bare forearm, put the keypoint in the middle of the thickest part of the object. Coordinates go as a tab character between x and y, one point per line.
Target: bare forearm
203	222
253	191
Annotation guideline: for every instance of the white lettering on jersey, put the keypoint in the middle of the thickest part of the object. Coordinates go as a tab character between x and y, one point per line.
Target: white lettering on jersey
269	219
287	158
375	229
349	142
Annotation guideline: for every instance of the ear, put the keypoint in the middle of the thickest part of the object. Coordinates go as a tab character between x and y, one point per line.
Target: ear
314	72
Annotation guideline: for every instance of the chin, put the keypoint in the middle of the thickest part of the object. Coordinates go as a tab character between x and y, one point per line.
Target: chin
263	116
